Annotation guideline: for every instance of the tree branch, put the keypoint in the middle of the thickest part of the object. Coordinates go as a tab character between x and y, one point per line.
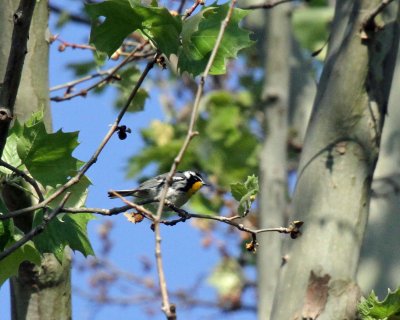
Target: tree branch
169	309
8	93
266	5
110	76
74	180
36	230
26	177
71	16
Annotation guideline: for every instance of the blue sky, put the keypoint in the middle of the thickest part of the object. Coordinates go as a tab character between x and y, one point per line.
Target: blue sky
184	259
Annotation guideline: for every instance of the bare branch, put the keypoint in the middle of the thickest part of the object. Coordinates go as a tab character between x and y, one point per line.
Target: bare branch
189	11
8	93
36	230
170	310
110	75
26	177
293	229
266	5
71	16
142	210
74	180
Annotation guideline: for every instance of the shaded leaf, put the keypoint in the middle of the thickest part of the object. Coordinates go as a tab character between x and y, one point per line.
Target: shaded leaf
9	266
66	229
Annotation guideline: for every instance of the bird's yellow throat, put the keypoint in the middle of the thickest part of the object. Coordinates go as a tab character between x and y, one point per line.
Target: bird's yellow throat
195	187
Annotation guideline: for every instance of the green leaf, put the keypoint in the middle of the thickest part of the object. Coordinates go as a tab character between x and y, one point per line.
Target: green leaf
67	229
6	229
227	277
10	154
9	266
199	34
122	17
47	156
245	193
388	309
70	231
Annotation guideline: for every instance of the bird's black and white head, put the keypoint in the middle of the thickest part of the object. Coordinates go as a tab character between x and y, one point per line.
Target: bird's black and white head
194	181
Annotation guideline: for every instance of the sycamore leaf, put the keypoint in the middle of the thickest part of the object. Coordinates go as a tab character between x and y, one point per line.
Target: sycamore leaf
10	154
245	193
388	309
122	17
68	229
9	265
47	156
199	34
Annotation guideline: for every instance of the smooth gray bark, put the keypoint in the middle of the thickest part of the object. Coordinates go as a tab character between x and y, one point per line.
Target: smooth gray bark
338	160
38	292
380	257
273	164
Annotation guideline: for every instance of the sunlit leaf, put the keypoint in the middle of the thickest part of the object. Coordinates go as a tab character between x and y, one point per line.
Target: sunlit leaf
245	193
122	17
200	33
388	309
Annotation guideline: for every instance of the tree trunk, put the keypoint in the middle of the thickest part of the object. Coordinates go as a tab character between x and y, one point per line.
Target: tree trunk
38	292
273	163
380	257
338	160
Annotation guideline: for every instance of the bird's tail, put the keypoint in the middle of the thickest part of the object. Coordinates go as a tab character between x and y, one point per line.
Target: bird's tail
123	193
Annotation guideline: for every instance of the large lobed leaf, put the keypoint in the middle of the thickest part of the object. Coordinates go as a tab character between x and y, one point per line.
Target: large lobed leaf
200	33
122	17
388	309
191	40
47	156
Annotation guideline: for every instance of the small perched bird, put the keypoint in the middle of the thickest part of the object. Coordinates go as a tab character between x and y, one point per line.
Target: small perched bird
184	185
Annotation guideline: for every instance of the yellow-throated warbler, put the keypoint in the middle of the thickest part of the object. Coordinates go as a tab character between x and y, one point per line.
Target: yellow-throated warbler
184	185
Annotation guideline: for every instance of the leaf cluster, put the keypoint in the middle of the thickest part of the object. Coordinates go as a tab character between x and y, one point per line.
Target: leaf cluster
47	158
189	40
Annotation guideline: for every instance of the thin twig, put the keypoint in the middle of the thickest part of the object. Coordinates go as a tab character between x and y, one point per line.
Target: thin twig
169	309
74	180
109	77
73	17
26	177
266	5
181	6
100	211
36	230
73	83
189	11
142	210
293	229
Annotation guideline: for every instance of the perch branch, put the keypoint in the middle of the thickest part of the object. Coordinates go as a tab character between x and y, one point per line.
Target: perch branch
36	230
